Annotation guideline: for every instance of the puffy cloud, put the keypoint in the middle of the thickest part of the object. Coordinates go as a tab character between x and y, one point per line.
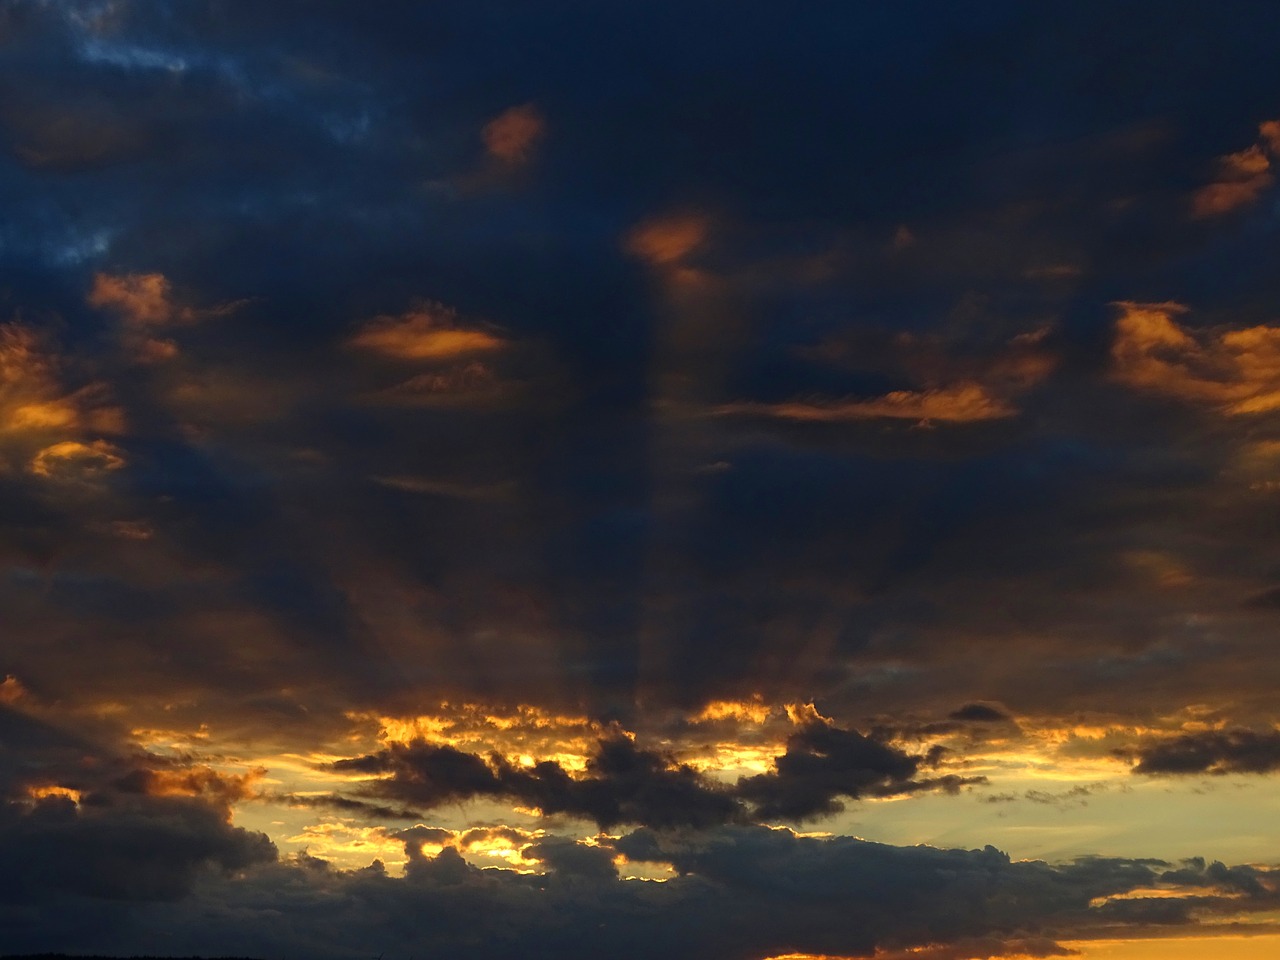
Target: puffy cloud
1235	371
625	784
1208	751
980	713
740	893
622	783
145	304
143	848
141	300
824	762
512	135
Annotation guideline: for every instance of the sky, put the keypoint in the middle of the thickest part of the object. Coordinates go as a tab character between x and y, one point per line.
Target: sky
692	479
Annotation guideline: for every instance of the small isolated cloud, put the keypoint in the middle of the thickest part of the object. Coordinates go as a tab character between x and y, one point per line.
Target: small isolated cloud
1236	371
1242	176
73	460
666	241
512	136
980	713
430	331
141	300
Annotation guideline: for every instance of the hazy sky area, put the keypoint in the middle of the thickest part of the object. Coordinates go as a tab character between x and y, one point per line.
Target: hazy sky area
703	480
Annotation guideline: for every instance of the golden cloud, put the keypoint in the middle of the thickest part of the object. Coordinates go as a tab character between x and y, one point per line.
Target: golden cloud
512	135
1242	176
72	459
430	331
1236	371
32	396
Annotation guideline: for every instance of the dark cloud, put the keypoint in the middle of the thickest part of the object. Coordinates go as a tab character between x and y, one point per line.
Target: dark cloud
1209	751
360	358
625	784
622	784
152	848
979	713
739	893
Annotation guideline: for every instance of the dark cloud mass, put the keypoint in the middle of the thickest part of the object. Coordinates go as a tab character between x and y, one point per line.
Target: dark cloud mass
1210	751
624	784
431	433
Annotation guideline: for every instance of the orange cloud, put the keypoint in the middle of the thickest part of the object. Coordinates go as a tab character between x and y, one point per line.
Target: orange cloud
32	397
1237	371
72	459
1242	176
965	402
1269	131
512	135
144	303
141	300
430	331
199	781
667	240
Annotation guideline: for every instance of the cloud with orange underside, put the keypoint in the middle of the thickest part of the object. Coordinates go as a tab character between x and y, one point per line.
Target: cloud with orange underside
44	424
666	241
1242	176
965	402
952	390
513	135
1235	371
74	460
145	304
429	331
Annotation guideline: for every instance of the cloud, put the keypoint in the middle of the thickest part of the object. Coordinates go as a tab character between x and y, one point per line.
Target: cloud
141	300
430	331
622	784
961	383
957	403
625	784
145	304
512	135
665	241
1242	177
980	713
738	893
139	848
824	763
1235	371
33	398
71	459
1208	752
